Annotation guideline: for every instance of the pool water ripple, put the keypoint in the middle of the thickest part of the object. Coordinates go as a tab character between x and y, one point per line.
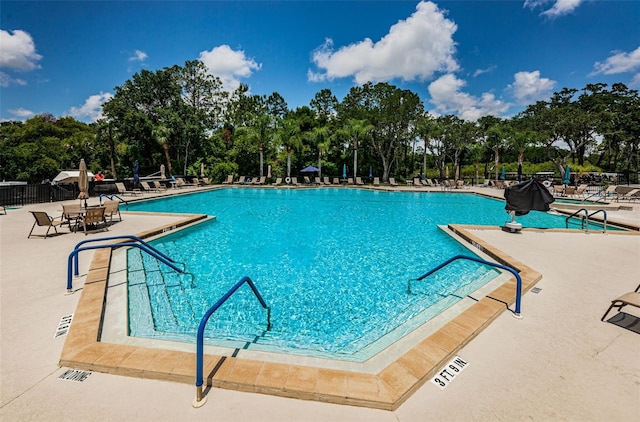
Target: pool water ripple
333	265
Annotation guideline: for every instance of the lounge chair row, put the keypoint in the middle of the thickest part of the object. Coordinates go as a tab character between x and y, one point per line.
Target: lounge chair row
243	180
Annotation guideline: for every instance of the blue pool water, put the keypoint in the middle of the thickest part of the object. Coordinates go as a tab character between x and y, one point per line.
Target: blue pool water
333	265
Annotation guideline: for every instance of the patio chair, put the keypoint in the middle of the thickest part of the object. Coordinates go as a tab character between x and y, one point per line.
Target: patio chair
294	181
260	181
349	180
632	195
159	186
631	298
392	181
307	180
72	213
359	181
241	180
123	191
610	191
147	188
206	181
3	209
94	217
44	220
336	181
111	209
417	182
229	180
581	191
278	181
317	180
376	181
325	180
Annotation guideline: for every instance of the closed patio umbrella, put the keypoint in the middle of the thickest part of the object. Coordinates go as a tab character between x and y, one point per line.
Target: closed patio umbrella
344	171
201	169
83	182
136	175
503	174
567	176
162	173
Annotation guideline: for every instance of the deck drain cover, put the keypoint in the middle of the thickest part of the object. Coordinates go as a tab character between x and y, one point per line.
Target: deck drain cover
74	375
63	326
536	290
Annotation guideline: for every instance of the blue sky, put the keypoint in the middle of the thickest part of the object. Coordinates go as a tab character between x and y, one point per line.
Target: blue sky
469	58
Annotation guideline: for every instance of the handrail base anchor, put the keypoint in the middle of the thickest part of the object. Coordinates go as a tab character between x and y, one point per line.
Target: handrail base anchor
517	316
199	401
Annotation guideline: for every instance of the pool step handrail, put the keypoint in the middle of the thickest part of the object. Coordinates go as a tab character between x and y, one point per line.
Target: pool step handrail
111	196
516	312
585	220
586	217
124	236
74	255
604	219
200	400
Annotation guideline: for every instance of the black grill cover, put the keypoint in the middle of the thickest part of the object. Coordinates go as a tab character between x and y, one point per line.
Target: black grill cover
527	196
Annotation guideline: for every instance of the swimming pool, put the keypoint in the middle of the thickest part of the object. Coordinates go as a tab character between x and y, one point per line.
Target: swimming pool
333	264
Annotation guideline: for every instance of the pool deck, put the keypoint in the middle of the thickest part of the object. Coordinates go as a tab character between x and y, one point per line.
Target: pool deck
558	362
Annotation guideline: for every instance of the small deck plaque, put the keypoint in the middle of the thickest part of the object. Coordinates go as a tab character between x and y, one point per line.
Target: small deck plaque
449	372
63	326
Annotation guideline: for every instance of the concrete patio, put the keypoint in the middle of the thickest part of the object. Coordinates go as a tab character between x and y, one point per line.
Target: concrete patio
559	362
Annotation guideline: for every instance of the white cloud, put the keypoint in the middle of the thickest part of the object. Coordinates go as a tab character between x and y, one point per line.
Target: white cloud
559	8
21	112
620	62
529	87
138	56
6	80
18	51
479	72
228	65
92	107
448	99
414	48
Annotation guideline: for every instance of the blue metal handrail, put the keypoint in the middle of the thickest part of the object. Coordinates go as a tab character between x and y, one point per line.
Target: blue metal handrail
104	195
200	338
604	221
75	252
492	264
586	217
125	236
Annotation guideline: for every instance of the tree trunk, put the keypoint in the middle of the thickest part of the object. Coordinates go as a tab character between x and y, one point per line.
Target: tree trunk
167	157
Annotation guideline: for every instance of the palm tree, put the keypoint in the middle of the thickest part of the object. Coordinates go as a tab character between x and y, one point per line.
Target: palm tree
319	137
259	134
357	130
161	134
289	135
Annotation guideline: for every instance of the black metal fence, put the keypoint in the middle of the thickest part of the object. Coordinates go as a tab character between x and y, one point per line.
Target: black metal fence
20	195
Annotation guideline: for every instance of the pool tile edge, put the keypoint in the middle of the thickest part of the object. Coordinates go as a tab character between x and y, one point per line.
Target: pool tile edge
386	390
